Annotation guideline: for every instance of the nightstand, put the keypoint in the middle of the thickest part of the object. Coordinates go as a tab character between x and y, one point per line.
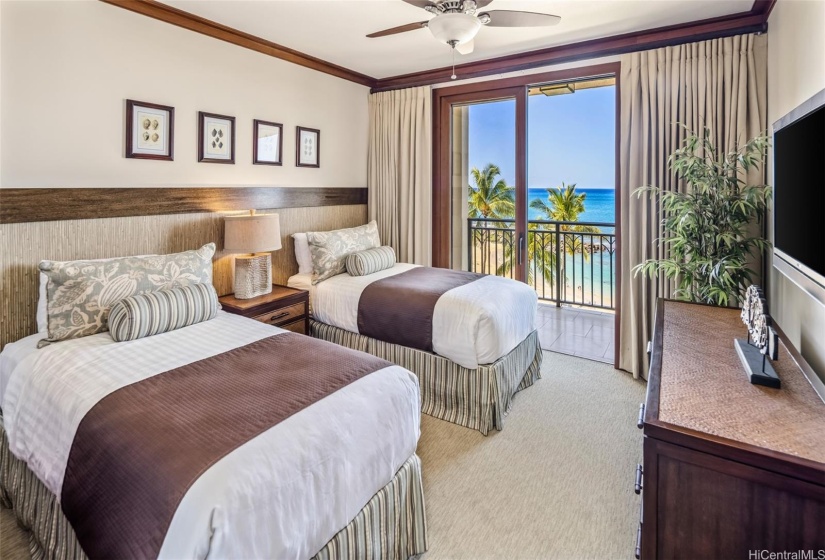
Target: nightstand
285	307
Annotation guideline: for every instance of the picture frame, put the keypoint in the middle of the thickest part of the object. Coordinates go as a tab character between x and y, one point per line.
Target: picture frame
150	131
307	147
216	138
267	143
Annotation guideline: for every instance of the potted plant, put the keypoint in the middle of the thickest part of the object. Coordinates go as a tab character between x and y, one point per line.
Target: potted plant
707	228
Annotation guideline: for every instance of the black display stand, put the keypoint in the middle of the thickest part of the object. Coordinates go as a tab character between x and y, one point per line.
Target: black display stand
757	367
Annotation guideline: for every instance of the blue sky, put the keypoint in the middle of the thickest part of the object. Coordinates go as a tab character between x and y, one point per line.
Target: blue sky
570	138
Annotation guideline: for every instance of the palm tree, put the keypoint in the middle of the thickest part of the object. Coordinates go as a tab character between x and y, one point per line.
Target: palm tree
565	205
492	198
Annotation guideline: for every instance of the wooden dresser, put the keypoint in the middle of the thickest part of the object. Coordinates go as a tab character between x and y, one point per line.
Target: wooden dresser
729	467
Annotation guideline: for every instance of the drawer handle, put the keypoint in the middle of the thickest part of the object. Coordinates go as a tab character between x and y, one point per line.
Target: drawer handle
640	423
639	542
638	486
279	316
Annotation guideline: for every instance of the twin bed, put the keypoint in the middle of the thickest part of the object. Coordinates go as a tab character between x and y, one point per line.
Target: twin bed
225	437
484	347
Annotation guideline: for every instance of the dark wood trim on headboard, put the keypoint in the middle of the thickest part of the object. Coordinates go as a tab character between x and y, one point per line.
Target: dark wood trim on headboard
45	205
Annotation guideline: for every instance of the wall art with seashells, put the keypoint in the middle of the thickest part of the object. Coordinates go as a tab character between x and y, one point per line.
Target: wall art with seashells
216	138
149	130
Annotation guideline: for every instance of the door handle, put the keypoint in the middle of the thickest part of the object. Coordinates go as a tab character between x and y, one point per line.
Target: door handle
521	248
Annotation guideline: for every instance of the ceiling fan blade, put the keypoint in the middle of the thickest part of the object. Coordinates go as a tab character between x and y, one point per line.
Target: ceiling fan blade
466	48
423	4
509	18
399	29
482	3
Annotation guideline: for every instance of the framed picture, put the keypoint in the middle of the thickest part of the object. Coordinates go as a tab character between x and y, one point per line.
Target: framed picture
267	142
307	147
150	130
216	138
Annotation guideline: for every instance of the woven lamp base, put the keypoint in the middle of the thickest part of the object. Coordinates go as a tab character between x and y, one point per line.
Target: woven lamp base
253	275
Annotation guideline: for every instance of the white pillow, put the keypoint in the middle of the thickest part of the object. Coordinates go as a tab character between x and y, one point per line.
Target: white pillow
302	254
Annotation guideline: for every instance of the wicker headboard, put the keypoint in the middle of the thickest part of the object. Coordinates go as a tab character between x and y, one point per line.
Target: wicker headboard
24	245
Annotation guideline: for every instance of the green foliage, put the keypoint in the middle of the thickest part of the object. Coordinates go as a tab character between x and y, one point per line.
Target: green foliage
491	197
706	227
565	205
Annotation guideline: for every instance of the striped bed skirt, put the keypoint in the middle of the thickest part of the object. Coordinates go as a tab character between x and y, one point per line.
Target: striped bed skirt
392	525
474	398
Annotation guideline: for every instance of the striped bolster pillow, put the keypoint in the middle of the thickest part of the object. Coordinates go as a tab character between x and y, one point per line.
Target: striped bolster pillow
159	312
370	260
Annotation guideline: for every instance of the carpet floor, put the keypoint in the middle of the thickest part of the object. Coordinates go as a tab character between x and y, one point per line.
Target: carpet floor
557	482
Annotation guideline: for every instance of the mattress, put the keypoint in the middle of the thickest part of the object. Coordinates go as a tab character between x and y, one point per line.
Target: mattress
282	494
474	324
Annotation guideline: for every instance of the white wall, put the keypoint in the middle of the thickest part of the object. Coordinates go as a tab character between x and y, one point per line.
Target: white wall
66	69
796	71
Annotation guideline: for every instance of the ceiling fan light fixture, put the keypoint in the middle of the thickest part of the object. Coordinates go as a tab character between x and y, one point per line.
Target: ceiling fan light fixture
454	27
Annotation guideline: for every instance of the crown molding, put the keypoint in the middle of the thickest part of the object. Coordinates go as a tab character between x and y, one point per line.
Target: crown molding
752	21
164	12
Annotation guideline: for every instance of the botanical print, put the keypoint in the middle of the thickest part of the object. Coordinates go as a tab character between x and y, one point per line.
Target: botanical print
329	249
308	148
81	293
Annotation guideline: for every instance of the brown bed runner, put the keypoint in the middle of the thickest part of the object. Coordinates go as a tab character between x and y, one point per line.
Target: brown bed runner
399	309
139	449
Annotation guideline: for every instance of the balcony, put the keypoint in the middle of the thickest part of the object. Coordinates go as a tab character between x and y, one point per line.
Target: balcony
568	263
575	315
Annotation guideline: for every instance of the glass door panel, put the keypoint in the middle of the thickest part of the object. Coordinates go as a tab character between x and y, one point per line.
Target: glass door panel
486	201
572	204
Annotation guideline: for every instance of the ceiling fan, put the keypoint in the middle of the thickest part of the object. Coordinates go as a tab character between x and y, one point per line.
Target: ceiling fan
457	22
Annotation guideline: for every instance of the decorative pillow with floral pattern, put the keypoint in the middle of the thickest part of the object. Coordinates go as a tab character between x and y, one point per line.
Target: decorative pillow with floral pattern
329	249
80	294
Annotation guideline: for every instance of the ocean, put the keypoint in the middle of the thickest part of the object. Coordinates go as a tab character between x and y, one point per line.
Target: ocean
586	282
599	206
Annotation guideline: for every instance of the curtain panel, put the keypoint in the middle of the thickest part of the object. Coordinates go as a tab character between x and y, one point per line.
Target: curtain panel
399	176
722	84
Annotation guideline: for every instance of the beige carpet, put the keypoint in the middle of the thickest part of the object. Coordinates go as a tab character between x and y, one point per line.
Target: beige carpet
556	483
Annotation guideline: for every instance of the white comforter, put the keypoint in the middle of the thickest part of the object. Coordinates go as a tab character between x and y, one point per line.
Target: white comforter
474	324
283	494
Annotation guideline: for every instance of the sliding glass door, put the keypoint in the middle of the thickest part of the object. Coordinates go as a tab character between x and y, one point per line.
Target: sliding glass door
528	177
571	170
487	196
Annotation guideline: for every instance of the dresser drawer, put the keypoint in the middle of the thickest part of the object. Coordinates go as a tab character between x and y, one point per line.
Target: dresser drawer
280	317
298	326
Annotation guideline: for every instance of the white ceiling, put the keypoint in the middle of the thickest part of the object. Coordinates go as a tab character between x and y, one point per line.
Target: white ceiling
334	30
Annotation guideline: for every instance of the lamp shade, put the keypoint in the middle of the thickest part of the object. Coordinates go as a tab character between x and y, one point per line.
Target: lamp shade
454	27
257	233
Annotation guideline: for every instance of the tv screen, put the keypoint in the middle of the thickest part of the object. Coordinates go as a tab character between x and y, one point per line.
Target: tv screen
799	192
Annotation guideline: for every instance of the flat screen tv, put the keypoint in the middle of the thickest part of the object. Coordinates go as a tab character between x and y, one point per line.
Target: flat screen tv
799	194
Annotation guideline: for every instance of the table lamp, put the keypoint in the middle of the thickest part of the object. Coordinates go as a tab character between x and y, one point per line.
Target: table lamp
252	237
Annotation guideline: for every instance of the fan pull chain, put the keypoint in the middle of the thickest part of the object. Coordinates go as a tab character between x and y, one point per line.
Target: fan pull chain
452	52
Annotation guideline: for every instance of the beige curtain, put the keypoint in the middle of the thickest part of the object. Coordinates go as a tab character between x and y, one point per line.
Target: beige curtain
399	173
721	83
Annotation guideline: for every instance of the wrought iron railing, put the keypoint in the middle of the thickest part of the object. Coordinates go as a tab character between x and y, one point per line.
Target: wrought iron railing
583	254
